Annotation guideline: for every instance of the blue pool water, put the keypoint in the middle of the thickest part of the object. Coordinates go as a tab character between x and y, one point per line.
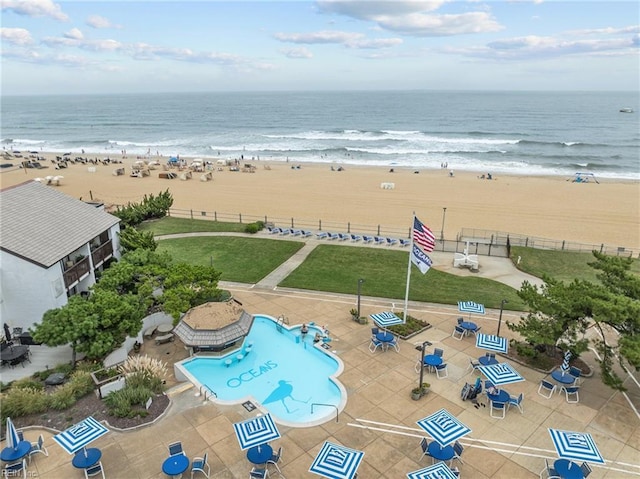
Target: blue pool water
282	372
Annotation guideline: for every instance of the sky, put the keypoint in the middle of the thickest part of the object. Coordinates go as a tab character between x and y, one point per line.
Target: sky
96	47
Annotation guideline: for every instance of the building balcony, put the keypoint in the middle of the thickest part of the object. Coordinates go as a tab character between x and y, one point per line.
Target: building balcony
102	253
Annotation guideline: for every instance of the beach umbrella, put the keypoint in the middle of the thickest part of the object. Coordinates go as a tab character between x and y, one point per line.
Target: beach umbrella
439	470
80	435
443	427
336	462
256	431
576	446
12	435
470	307
386	319
501	373
7	332
492	343
565	362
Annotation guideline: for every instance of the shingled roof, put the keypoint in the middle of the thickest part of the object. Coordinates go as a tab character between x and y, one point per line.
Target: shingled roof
43	225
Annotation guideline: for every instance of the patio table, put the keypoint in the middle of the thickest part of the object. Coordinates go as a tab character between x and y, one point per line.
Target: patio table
164	328
468	326
565	378
175	465
259	454
384	336
440	453
14	353
487	361
502	396
86	458
432	360
13	454
568	469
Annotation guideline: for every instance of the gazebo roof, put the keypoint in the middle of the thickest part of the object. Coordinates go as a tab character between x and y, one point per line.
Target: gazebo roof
214	324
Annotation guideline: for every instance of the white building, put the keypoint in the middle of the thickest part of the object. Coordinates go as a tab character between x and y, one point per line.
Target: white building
51	246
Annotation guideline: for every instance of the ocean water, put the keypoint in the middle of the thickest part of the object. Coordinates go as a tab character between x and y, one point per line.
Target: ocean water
542	133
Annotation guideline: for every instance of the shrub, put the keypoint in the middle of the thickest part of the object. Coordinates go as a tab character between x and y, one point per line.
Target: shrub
28	383
251	228
62	398
149	367
81	384
121	403
22	401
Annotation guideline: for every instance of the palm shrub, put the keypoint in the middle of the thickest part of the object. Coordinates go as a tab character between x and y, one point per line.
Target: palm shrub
62	398
22	401
81	383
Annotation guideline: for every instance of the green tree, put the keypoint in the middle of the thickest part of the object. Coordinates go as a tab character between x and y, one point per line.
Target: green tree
132	239
186	286
93	326
561	313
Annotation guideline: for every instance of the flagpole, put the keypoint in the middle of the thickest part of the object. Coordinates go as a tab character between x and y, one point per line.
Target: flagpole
406	294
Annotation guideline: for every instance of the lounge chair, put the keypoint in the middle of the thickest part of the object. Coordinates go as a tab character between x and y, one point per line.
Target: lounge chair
201	465
404	242
333	236
285	231
367	239
306	233
356	237
343	237
379	240
322	235
391	241
296	232
275	231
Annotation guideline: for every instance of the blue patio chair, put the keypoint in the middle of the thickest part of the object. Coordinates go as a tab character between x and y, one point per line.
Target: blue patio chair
258	473
473	365
460	320
16	469
488	385
458	333
476	331
576	373
549	471
546	387
571	393
275	459
20	434
201	465
517	402
586	469
94	470
499	407
175	448
374	331
457	451
38	447
438	352
375	344
424	445
442	371
393	344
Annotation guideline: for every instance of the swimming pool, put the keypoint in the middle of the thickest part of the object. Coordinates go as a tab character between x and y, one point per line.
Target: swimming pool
284	373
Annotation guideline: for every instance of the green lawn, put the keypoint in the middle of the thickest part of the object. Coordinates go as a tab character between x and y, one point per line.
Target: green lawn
337	268
168	225
562	265
245	260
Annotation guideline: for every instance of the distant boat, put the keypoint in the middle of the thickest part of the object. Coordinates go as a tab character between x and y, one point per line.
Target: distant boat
626	110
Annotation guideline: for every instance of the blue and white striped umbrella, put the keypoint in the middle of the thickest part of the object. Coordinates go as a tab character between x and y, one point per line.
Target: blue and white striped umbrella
12	435
336	462
492	343
470	307
386	319
501	373
565	361
443	427
81	434
576	446
437	471
256	431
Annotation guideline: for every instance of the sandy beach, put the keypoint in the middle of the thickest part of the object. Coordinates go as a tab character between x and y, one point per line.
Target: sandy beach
545	207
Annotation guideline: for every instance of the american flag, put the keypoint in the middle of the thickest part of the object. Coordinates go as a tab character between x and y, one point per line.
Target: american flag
423	236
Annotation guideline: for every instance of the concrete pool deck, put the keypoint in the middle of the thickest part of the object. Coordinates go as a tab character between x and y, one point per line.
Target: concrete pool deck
379	401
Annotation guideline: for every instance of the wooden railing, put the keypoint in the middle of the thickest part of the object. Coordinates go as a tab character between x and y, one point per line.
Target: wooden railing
76	272
102	253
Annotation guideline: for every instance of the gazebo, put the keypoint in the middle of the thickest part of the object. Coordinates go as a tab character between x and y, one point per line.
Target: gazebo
214	326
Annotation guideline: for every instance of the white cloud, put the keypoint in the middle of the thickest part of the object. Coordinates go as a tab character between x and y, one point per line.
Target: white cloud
74	34
347	39
369	10
16	36
300	52
35	8
96	21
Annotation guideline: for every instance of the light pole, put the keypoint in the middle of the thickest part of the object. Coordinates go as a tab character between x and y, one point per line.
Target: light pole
502	303
424	345
360	281
444	212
